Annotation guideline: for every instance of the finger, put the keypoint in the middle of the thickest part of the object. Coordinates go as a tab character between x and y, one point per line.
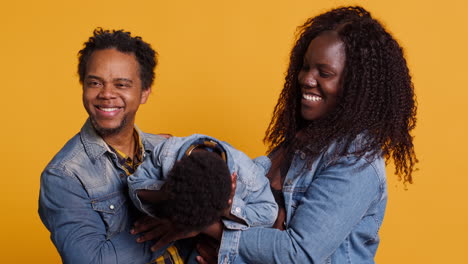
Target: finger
164	240
165	135
145	225
151	235
233	186
201	260
207	253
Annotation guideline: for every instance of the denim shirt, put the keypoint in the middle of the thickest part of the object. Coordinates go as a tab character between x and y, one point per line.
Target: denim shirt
334	210
253	201
84	202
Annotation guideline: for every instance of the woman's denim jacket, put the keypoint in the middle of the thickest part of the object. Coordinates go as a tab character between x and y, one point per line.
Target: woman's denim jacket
85	205
253	201
334	211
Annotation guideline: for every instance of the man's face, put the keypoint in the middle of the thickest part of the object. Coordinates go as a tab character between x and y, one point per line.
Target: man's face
112	91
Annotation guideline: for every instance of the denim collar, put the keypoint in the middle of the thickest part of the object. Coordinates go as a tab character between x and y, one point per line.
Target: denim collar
95	146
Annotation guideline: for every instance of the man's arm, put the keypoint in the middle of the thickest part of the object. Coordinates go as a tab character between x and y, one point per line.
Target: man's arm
77	230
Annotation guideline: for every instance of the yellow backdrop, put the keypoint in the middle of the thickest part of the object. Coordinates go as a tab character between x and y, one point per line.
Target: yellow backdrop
221	68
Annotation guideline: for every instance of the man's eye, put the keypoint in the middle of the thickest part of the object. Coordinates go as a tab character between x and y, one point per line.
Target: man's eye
122	85
93	84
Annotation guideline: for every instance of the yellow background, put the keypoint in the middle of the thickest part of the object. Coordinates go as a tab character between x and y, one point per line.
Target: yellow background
221	68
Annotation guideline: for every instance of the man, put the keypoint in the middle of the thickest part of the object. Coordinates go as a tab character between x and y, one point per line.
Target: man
84	199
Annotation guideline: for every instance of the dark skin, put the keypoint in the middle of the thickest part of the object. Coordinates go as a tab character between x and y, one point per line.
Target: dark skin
165	232
276	178
208	249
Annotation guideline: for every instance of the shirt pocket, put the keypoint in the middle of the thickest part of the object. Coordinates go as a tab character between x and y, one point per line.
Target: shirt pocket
113	211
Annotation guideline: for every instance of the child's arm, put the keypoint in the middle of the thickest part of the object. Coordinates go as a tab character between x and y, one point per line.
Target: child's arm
253	203
148	176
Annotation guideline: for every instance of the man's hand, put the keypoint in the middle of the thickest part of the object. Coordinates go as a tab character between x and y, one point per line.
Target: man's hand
159	229
165	135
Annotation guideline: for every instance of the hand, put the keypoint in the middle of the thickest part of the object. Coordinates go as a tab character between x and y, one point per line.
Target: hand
279	223
208	249
165	135
227	212
161	230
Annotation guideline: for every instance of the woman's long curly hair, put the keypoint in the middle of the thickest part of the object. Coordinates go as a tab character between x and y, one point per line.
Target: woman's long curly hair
377	101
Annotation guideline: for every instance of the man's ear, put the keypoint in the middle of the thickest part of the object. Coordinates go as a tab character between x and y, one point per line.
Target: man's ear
144	95
152	196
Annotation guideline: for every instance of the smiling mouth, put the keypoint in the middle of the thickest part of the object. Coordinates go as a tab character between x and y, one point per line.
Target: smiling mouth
312	97
108	109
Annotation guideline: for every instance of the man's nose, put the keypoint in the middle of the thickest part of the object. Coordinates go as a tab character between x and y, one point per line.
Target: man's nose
107	91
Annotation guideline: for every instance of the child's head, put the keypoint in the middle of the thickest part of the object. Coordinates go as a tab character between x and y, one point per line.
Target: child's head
198	189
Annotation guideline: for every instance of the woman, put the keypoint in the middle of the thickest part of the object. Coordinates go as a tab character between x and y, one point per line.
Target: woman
347	106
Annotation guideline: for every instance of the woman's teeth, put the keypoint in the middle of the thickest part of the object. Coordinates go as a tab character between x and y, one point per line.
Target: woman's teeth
312	97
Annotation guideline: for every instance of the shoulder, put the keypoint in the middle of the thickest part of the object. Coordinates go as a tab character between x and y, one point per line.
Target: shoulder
355	162
70	151
151	140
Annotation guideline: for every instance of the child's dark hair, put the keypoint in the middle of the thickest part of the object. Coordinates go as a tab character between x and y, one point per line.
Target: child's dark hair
198	189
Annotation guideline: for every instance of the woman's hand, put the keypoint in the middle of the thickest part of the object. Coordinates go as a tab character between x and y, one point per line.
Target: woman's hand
227	212
279	223
208	249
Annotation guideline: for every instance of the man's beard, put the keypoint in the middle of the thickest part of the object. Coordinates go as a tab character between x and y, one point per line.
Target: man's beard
104	132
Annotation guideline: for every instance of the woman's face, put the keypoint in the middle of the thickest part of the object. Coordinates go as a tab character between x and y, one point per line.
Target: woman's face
320	78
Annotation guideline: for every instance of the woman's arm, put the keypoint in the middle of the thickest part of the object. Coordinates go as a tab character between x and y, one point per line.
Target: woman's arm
334	202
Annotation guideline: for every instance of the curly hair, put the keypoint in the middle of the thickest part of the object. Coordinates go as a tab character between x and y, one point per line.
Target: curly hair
198	190
378	99
123	42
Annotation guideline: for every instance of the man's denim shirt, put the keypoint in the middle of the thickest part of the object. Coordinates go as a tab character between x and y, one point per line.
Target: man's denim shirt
334	210
253	201
84	202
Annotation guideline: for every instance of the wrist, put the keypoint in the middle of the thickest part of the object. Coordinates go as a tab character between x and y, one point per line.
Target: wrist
215	230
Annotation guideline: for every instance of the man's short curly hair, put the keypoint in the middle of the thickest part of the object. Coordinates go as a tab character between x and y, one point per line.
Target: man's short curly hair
125	43
198	190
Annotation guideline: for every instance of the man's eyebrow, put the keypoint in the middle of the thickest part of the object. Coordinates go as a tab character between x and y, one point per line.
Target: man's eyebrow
93	77
123	80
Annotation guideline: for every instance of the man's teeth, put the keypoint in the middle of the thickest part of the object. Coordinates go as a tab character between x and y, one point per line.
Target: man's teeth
108	109
311	97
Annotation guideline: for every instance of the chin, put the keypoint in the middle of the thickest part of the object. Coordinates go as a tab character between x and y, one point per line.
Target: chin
108	130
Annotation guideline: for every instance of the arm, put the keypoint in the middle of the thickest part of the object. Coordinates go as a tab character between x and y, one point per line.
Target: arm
253	203
332	205
77	230
147	178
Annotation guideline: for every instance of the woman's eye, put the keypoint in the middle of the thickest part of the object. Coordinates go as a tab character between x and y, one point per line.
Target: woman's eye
325	74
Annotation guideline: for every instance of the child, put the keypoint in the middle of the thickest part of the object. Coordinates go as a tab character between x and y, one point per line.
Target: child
191	183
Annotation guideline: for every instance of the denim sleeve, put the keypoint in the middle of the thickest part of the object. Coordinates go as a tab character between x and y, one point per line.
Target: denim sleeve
332	205
77	230
148	176
254	202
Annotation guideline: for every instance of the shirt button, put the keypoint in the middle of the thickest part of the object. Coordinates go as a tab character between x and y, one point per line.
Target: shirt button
303	155
122	175
238	210
111	207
